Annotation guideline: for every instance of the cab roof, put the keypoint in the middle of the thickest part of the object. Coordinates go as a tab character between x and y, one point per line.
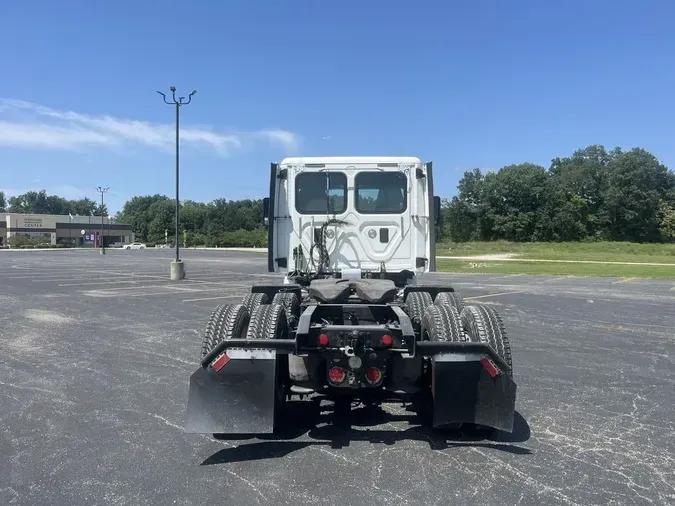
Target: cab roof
350	159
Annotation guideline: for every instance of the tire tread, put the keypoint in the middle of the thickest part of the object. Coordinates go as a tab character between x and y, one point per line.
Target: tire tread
484	324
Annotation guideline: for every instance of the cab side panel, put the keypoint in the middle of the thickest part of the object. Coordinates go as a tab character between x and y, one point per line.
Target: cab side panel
271	226
284	225
431	220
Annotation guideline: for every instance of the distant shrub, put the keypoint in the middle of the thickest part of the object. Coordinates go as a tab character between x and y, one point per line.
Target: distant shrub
256	238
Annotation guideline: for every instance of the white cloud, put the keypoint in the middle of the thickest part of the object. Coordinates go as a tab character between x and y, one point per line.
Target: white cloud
28	125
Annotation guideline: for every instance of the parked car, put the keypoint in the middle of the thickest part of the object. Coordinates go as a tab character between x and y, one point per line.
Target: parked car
135	245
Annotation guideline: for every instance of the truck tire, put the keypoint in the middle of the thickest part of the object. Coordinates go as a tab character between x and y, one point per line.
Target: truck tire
417	303
297	366
439	323
442	323
253	300
291	303
450	299
227	321
483	324
268	321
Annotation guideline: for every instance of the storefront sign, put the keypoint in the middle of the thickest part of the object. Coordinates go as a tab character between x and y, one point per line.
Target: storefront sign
32	223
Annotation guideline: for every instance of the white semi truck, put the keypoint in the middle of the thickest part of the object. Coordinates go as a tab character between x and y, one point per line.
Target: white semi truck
349	319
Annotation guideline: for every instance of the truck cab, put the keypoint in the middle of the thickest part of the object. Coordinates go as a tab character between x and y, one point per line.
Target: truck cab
357	217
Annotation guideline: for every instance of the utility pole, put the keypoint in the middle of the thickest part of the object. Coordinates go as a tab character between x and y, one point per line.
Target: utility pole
177	266
102	190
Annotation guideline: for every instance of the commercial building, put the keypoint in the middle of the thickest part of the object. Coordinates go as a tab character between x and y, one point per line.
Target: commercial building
63	229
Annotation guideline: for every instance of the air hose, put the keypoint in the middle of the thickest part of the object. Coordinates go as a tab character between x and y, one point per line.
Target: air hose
324	258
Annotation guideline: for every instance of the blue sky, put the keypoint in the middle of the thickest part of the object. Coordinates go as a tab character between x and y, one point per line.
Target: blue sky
471	83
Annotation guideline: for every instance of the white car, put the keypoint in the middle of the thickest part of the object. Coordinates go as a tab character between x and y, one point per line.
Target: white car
135	245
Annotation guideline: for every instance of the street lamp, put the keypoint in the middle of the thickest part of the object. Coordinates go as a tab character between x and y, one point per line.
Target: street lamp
102	190
177	267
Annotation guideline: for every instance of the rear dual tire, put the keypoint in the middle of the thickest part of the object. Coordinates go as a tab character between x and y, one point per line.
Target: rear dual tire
474	323
227	321
265	321
483	324
417	304
450	299
439	323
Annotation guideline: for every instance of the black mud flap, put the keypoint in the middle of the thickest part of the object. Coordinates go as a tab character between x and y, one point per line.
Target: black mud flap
470	388
237	399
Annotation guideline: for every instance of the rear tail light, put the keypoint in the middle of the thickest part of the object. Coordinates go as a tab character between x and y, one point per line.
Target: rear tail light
324	340
336	374
387	340
373	375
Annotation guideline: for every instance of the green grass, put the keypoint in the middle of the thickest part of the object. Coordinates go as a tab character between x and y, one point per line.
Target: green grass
558	269
599	251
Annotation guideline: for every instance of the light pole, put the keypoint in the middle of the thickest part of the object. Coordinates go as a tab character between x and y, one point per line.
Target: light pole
102	190
177	267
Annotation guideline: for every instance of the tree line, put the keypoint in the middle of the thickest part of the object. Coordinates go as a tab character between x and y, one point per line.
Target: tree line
38	202
594	194
220	223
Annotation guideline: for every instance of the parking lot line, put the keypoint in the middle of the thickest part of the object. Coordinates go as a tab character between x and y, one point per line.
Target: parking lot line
86	283
111	278
493	295
210	298
142	287
102	293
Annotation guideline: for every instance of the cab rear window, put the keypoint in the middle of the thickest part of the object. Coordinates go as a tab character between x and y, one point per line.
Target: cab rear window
321	193
379	192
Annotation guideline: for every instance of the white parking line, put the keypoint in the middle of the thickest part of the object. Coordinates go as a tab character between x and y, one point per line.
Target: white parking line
211	298
111	294
493	295
142	287
66	276
111	278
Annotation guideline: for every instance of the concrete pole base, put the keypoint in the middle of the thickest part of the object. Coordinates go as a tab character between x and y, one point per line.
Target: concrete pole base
177	270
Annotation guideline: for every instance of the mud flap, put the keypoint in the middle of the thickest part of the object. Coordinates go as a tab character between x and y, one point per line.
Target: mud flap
469	388
238	399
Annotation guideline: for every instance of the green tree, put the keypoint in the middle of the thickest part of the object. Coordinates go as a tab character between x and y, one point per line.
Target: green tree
638	184
577	188
511	201
464	214
161	214
136	212
667	222
38	202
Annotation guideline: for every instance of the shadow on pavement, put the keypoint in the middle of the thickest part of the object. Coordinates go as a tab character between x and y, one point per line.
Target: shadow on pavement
321	426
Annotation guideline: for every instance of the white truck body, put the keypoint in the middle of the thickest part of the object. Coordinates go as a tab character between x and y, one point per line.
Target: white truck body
385	206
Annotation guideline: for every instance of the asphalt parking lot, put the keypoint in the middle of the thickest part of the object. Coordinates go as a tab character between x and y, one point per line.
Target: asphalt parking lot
96	353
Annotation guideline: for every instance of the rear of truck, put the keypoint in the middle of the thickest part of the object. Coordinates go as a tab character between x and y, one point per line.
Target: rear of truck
351	237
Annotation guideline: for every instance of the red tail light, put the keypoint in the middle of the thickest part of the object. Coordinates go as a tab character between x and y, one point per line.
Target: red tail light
324	339
387	340
336	374
373	375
